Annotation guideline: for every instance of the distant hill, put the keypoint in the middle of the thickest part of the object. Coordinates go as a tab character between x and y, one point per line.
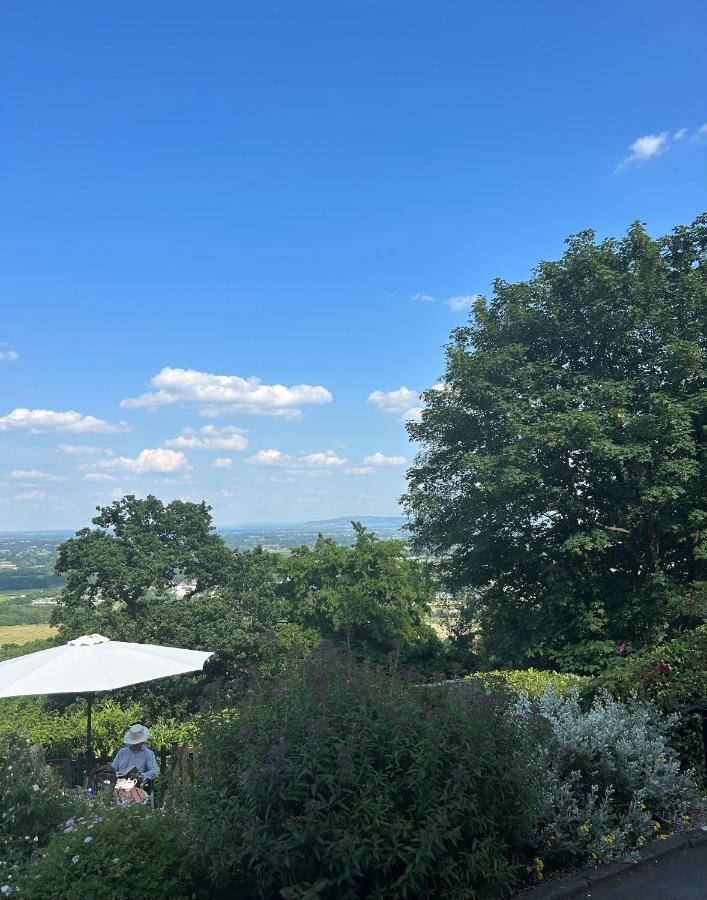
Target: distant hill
35	550
286	535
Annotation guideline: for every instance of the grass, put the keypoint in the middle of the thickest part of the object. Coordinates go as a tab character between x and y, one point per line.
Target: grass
21	634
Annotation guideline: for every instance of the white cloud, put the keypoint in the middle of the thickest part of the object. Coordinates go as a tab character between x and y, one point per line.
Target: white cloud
463	302
118	493
399	403
701	131
379	459
8	356
83	450
210	437
326	459
423	298
680	134
32	497
43	421
361	470
98	476
645	147
222	462
150	460
217	395
224	493
35	475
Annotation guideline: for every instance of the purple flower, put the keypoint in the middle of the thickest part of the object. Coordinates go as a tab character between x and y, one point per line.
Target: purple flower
622	650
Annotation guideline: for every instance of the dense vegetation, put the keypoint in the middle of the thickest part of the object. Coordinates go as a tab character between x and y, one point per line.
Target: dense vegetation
562	476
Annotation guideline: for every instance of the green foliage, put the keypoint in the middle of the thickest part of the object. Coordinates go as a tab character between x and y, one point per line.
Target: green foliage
370	596
10	651
63	733
137	547
254	609
31	804
609	780
673	676
112	855
345	782
563	467
531	683
21	612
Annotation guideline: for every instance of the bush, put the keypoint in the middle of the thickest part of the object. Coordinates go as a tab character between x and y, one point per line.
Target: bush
532	683
344	782
31	805
114	854
673	676
609	778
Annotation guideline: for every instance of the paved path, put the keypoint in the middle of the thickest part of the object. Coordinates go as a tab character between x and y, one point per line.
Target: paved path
679	876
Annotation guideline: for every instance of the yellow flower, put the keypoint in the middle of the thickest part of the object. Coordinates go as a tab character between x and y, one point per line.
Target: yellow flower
584	828
656	827
687	818
608	839
643	806
641	841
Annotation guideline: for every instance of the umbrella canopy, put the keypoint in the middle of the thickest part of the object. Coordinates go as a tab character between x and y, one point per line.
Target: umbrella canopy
94	663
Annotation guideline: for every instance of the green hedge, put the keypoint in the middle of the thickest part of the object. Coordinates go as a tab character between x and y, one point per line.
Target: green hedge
532	683
63	734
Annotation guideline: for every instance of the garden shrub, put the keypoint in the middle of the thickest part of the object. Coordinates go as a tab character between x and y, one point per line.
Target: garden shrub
345	782
673	676
111	855
609	778
31	805
532	683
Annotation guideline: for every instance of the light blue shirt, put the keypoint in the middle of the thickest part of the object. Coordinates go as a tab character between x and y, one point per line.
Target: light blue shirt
143	760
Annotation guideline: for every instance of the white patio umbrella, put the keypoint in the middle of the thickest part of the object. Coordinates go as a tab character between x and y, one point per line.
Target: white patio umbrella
91	664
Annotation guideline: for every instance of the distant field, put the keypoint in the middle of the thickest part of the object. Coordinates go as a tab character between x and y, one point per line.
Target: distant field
21	634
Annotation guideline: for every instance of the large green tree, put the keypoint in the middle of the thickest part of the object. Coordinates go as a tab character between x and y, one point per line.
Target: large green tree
140	546
562	475
371	595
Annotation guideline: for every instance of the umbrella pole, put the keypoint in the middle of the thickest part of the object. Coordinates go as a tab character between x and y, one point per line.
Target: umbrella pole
89	729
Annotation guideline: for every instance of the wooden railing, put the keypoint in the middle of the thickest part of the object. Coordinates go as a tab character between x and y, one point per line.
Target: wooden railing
175	763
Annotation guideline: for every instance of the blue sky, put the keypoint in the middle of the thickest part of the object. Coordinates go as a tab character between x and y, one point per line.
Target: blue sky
266	191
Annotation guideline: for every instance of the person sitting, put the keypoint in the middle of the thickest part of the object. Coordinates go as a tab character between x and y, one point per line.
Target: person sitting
136	763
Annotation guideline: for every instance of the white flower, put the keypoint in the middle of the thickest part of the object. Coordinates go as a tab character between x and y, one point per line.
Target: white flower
35	787
75	859
87	840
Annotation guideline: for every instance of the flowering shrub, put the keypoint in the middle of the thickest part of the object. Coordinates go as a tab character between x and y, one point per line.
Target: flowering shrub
31	806
673	676
115	854
344	782
609	778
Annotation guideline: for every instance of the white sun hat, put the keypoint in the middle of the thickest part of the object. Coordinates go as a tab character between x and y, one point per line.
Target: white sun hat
136	734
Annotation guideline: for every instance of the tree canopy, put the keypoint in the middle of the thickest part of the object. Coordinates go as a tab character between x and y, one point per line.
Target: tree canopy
158	573
562	472
140	546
